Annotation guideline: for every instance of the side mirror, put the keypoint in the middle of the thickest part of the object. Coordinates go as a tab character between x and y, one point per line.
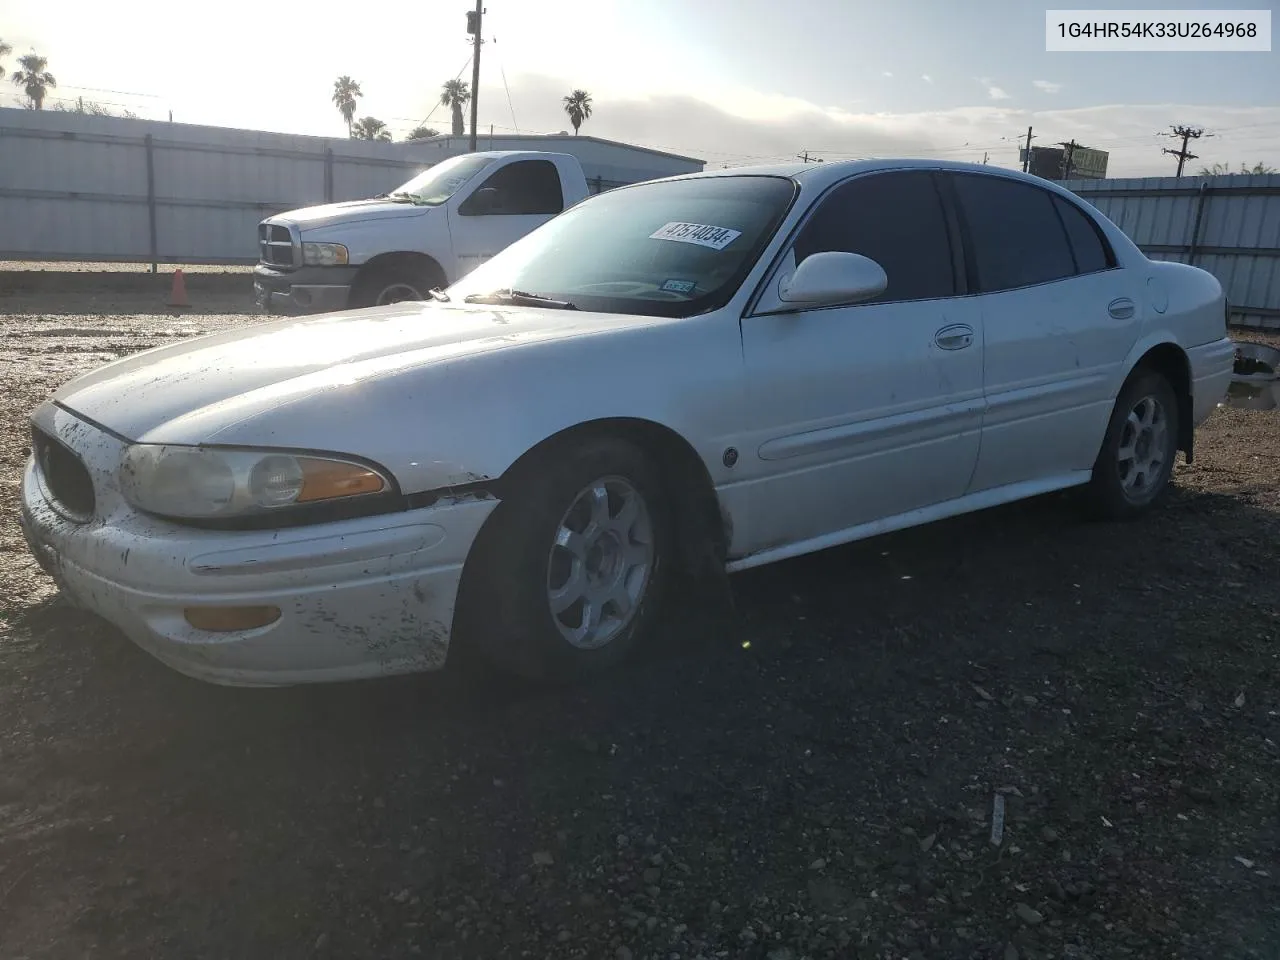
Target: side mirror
483	201
833	277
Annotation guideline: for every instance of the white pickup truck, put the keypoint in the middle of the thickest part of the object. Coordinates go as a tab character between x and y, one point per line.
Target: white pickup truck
425	234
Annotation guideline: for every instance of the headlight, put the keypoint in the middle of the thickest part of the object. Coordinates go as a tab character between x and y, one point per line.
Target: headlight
324	254
196	483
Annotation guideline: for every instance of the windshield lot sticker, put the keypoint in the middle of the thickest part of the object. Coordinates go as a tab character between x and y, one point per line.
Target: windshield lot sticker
703	234
679	286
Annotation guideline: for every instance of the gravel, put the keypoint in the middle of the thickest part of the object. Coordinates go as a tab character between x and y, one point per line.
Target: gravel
810	776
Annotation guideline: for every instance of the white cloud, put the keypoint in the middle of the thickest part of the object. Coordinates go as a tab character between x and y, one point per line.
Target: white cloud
926	78
996	93
729	125
1046	86
886	74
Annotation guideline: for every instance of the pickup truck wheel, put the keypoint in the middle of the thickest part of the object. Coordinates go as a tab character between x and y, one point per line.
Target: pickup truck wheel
1136	461
576	567
394	283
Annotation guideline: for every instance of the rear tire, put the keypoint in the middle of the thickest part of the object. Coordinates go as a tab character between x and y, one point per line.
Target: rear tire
573	568
395	282
1135	464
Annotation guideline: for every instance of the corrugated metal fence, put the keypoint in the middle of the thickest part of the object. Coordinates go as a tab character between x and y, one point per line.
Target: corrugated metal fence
109	189
1228	225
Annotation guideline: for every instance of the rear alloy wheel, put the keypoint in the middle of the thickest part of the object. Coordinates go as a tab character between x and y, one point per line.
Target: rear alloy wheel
1136	461
572	569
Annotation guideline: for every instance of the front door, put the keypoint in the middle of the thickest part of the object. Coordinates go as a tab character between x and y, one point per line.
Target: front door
866	411
509	203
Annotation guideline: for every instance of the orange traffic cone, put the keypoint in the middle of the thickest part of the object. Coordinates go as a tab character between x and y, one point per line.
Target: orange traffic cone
178	295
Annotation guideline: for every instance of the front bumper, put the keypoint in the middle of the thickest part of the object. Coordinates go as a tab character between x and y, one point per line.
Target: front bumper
359	598
305	290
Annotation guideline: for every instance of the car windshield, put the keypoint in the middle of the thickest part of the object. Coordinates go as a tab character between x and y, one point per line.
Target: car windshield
436	185
669	248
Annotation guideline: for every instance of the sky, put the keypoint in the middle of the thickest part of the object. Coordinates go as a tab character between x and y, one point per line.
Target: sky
731	82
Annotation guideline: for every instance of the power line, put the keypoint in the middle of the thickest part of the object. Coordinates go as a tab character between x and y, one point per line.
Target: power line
456	76
510	105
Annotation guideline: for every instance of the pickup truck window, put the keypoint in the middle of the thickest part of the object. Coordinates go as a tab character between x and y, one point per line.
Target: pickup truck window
523	188
437	184
671	248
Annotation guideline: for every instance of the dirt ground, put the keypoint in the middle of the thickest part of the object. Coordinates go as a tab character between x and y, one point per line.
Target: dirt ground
815	778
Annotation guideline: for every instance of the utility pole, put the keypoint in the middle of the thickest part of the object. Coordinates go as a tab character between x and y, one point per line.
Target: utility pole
1068	151
1026	158
473	26
984	158
806	158
1186	133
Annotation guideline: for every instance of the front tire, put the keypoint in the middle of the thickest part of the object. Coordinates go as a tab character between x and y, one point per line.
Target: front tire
1135	464
395	282
574	567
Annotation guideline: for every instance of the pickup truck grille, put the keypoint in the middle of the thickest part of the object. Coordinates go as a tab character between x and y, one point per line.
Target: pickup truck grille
64	475
275	245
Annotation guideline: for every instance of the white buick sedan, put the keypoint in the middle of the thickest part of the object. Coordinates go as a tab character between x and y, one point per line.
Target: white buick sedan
713	371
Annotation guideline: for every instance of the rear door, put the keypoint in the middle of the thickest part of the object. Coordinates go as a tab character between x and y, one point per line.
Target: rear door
518	197
1058	320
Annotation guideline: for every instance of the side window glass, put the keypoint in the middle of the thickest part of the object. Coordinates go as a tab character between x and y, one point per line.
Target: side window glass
1091	250
1017	236
527	187
897	220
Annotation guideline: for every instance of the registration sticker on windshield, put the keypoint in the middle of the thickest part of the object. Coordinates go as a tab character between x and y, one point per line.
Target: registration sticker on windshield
679	286
703	234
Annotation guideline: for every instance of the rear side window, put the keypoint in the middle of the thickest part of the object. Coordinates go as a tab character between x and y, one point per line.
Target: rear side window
1016	234
897	220
1092	253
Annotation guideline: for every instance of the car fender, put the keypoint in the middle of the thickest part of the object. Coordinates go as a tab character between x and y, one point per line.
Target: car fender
466	419
425	231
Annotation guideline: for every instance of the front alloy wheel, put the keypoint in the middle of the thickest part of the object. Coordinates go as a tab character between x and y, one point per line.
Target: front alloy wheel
600	562
396	292
572	570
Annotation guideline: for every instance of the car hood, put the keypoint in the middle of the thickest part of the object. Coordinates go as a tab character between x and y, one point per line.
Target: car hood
167	394
349	211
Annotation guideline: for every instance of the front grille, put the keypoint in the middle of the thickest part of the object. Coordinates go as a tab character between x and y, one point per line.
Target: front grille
65	477
275	245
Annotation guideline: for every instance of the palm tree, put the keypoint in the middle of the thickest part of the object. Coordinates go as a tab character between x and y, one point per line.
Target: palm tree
34	79
370	128
345	94
456	94
578	106
422	133
5	50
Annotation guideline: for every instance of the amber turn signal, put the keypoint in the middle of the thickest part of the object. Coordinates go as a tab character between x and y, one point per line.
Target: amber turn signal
329	480
230	619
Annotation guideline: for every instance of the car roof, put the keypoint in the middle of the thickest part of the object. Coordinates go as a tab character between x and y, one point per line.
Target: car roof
824	174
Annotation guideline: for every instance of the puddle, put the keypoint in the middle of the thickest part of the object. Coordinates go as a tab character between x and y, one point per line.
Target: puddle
1255	383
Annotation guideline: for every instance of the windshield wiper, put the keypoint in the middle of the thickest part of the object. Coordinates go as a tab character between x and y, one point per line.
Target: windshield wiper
403	197
519	298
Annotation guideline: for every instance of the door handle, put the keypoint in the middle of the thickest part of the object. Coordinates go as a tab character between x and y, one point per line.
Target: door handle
955	337
1121	308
